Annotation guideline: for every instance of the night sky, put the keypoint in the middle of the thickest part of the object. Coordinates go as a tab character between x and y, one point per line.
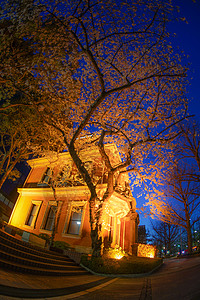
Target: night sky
187	38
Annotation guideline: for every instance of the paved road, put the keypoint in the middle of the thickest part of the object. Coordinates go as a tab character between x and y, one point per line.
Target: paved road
178	279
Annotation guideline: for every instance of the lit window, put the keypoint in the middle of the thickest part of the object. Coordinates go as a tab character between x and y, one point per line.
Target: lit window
75	219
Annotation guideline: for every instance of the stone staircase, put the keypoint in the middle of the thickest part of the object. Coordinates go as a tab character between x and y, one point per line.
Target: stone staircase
23	257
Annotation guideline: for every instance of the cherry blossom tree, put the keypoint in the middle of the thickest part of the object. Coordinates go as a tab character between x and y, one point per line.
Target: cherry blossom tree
103	70
188	148
178	202
23	134
22	59
177	197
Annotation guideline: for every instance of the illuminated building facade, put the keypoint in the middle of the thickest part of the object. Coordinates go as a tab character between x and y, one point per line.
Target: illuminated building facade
39	204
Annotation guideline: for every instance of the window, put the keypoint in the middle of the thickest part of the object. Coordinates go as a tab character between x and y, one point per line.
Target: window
33	212
46	177
32	215
49	221
75	218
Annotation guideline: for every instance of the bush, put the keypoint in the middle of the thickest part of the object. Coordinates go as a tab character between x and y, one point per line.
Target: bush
125	265
116	252
61	245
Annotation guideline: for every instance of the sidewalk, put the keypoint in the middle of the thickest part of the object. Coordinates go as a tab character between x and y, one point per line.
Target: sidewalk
24	286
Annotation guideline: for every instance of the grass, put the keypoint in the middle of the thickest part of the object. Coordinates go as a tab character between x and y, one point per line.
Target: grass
126	265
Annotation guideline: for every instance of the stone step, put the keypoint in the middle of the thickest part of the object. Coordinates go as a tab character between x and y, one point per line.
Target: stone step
37	264
17	267
11	248
22	257
26	247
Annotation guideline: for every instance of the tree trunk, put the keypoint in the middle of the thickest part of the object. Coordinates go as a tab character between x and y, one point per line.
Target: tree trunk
55	218
95	217
189	239
189	233
53	229
95	213
96	241
95	227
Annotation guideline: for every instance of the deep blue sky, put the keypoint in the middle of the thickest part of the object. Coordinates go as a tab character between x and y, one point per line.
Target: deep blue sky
188	39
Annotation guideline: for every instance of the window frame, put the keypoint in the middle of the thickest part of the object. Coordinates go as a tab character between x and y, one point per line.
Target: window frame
68	219
45	217
36	203
47	173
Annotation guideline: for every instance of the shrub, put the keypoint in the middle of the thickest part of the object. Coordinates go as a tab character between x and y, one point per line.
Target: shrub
126	265
116	252
61	245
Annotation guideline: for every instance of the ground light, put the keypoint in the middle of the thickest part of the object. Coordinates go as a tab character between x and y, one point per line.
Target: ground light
146	250
116	253
118	256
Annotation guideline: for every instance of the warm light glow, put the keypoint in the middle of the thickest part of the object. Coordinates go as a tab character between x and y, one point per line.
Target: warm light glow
116	253
151	255
117	206
118	256
146	250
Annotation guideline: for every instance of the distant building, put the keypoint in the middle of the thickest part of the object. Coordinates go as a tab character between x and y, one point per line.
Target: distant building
36	207
9	194
6	206
142	234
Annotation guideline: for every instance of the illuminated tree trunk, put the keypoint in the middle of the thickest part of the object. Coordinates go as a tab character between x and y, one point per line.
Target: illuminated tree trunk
95	204
95	214
55	218
96	238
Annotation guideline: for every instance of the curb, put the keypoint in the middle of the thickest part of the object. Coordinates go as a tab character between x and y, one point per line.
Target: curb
123	275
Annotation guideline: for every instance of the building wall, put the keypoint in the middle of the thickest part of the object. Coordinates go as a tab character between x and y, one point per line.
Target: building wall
123	236
34	202
36	174
42	197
